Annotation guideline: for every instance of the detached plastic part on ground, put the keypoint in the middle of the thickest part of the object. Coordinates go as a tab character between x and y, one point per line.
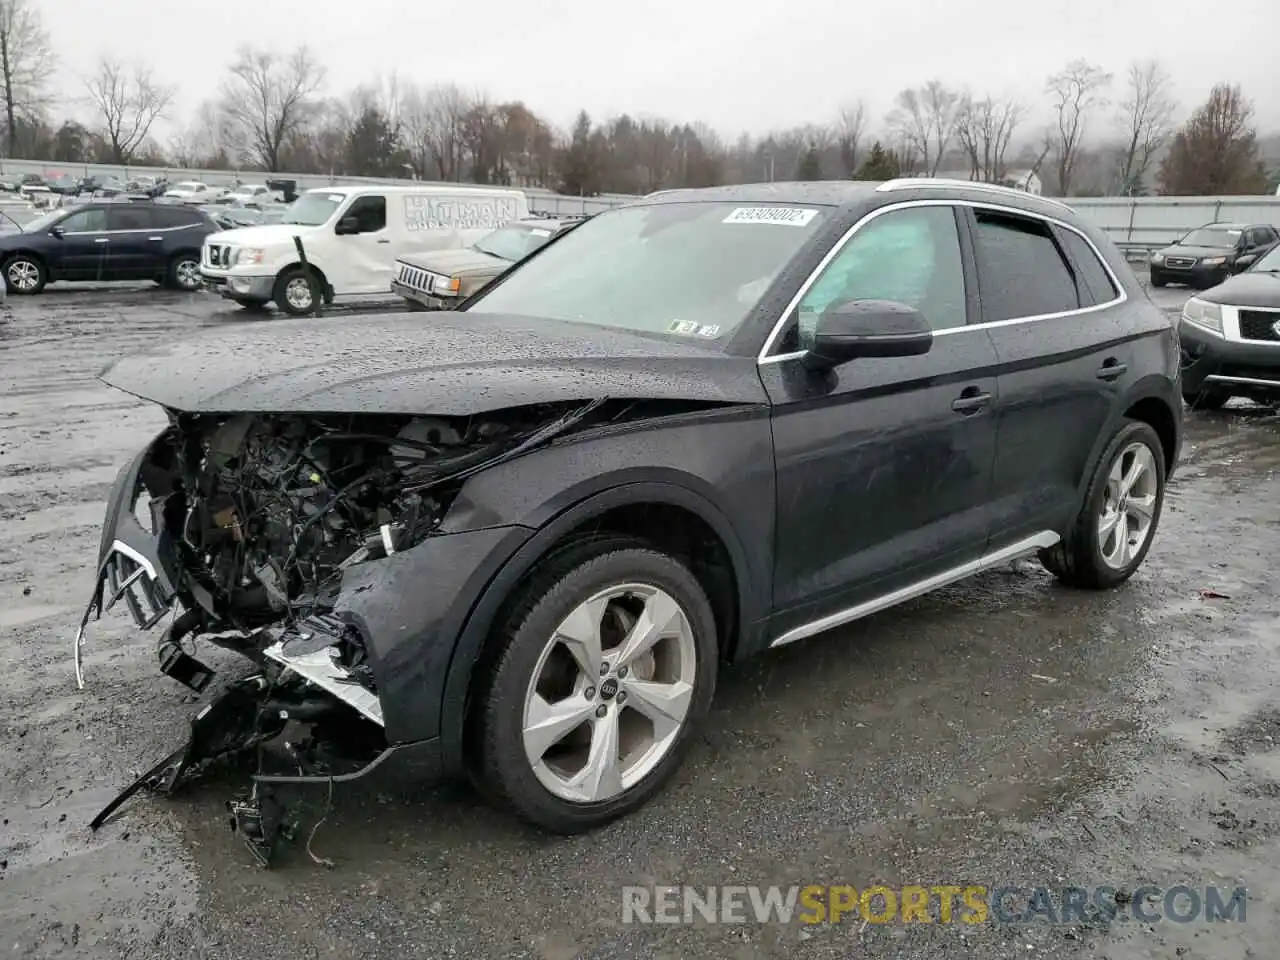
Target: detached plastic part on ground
301	720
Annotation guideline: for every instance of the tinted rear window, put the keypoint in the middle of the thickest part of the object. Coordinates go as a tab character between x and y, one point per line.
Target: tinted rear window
1097	284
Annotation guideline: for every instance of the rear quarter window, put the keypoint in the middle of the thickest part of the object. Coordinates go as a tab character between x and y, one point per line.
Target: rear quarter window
167	217
1095	283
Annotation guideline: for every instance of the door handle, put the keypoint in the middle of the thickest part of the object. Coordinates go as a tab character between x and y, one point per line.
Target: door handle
971	400
384	240
1112	369
155	238
101	239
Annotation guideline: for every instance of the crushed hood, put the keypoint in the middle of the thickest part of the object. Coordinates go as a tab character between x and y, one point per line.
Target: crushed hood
453	364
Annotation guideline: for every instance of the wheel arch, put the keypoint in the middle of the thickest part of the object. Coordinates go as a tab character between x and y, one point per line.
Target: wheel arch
325	287
615	510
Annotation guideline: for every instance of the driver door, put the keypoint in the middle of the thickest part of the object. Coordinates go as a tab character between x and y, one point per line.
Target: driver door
365	258
83	250
883	464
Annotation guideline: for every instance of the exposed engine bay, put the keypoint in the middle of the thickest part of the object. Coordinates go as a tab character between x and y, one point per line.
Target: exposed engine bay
253	520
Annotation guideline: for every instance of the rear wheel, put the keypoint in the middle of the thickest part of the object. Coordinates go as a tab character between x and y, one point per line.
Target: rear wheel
604	668
184	272
24	275
1113	532
296	292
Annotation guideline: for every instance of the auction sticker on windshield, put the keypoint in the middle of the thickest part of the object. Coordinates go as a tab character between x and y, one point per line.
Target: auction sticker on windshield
781	216
689	327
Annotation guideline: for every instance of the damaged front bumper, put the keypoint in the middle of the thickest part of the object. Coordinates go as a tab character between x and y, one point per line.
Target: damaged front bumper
407	610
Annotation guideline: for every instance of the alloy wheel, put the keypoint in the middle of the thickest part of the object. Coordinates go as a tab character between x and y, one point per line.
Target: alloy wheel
187	273
610	693
1128	505
24	275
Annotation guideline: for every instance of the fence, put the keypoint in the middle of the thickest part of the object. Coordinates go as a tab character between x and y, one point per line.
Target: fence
1137	225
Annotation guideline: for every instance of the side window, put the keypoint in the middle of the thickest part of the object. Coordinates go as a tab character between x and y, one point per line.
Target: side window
1096	283
912	256
125	217
174	216
1020	269
370	211
86	221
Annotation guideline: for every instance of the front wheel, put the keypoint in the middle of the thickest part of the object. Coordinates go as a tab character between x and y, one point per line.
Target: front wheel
24	275
296	292
604	668
1113	532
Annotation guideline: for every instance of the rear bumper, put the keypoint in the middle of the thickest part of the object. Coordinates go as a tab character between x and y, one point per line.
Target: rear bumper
1241	368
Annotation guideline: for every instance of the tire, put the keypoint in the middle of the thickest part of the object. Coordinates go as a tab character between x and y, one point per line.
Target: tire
24	275
288	289
1079	560
184	272
1206	399
525	656
253	306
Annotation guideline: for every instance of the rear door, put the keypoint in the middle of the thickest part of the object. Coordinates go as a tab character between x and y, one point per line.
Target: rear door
1053	311
134	243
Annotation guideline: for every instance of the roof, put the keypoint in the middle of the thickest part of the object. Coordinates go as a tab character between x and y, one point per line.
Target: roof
462	188
828	193
836	193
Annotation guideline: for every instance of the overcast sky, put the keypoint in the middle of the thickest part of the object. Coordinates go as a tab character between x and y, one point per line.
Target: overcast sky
734	65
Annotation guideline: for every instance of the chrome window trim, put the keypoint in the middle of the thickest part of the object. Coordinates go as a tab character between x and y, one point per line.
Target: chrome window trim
770	341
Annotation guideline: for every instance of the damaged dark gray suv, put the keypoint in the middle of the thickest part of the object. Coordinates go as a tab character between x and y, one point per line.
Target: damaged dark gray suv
517	541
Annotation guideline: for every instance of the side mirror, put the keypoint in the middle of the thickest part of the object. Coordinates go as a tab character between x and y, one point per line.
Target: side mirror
1243	263
868	328
348	226
58	232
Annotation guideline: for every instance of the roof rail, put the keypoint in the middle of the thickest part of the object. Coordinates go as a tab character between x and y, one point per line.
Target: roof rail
910	183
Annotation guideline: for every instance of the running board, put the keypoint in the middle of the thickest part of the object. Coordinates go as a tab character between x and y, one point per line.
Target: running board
1040	541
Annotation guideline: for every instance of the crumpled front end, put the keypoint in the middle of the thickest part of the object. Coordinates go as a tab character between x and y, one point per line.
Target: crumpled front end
291	540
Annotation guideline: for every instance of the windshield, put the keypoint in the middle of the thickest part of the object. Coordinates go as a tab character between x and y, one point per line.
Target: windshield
1211	237
313	209
43	222
684	269
514	242
1268	262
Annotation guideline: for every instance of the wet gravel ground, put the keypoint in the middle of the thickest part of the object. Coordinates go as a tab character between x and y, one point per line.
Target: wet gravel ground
1003	731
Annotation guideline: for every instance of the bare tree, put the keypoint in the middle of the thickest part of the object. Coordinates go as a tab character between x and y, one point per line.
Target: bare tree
924	120
271	98
26	66
434	122
1146	116
850	127
1216	151
1076	91
128	100
984	129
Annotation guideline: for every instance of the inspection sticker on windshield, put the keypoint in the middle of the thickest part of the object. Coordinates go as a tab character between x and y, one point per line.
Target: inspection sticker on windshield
779	216
689	327
335	198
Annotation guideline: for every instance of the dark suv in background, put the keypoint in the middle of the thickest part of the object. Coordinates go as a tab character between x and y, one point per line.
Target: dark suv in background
1208	255
107	241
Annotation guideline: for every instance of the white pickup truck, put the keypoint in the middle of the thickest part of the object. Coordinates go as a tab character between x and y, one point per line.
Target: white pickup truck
351	237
